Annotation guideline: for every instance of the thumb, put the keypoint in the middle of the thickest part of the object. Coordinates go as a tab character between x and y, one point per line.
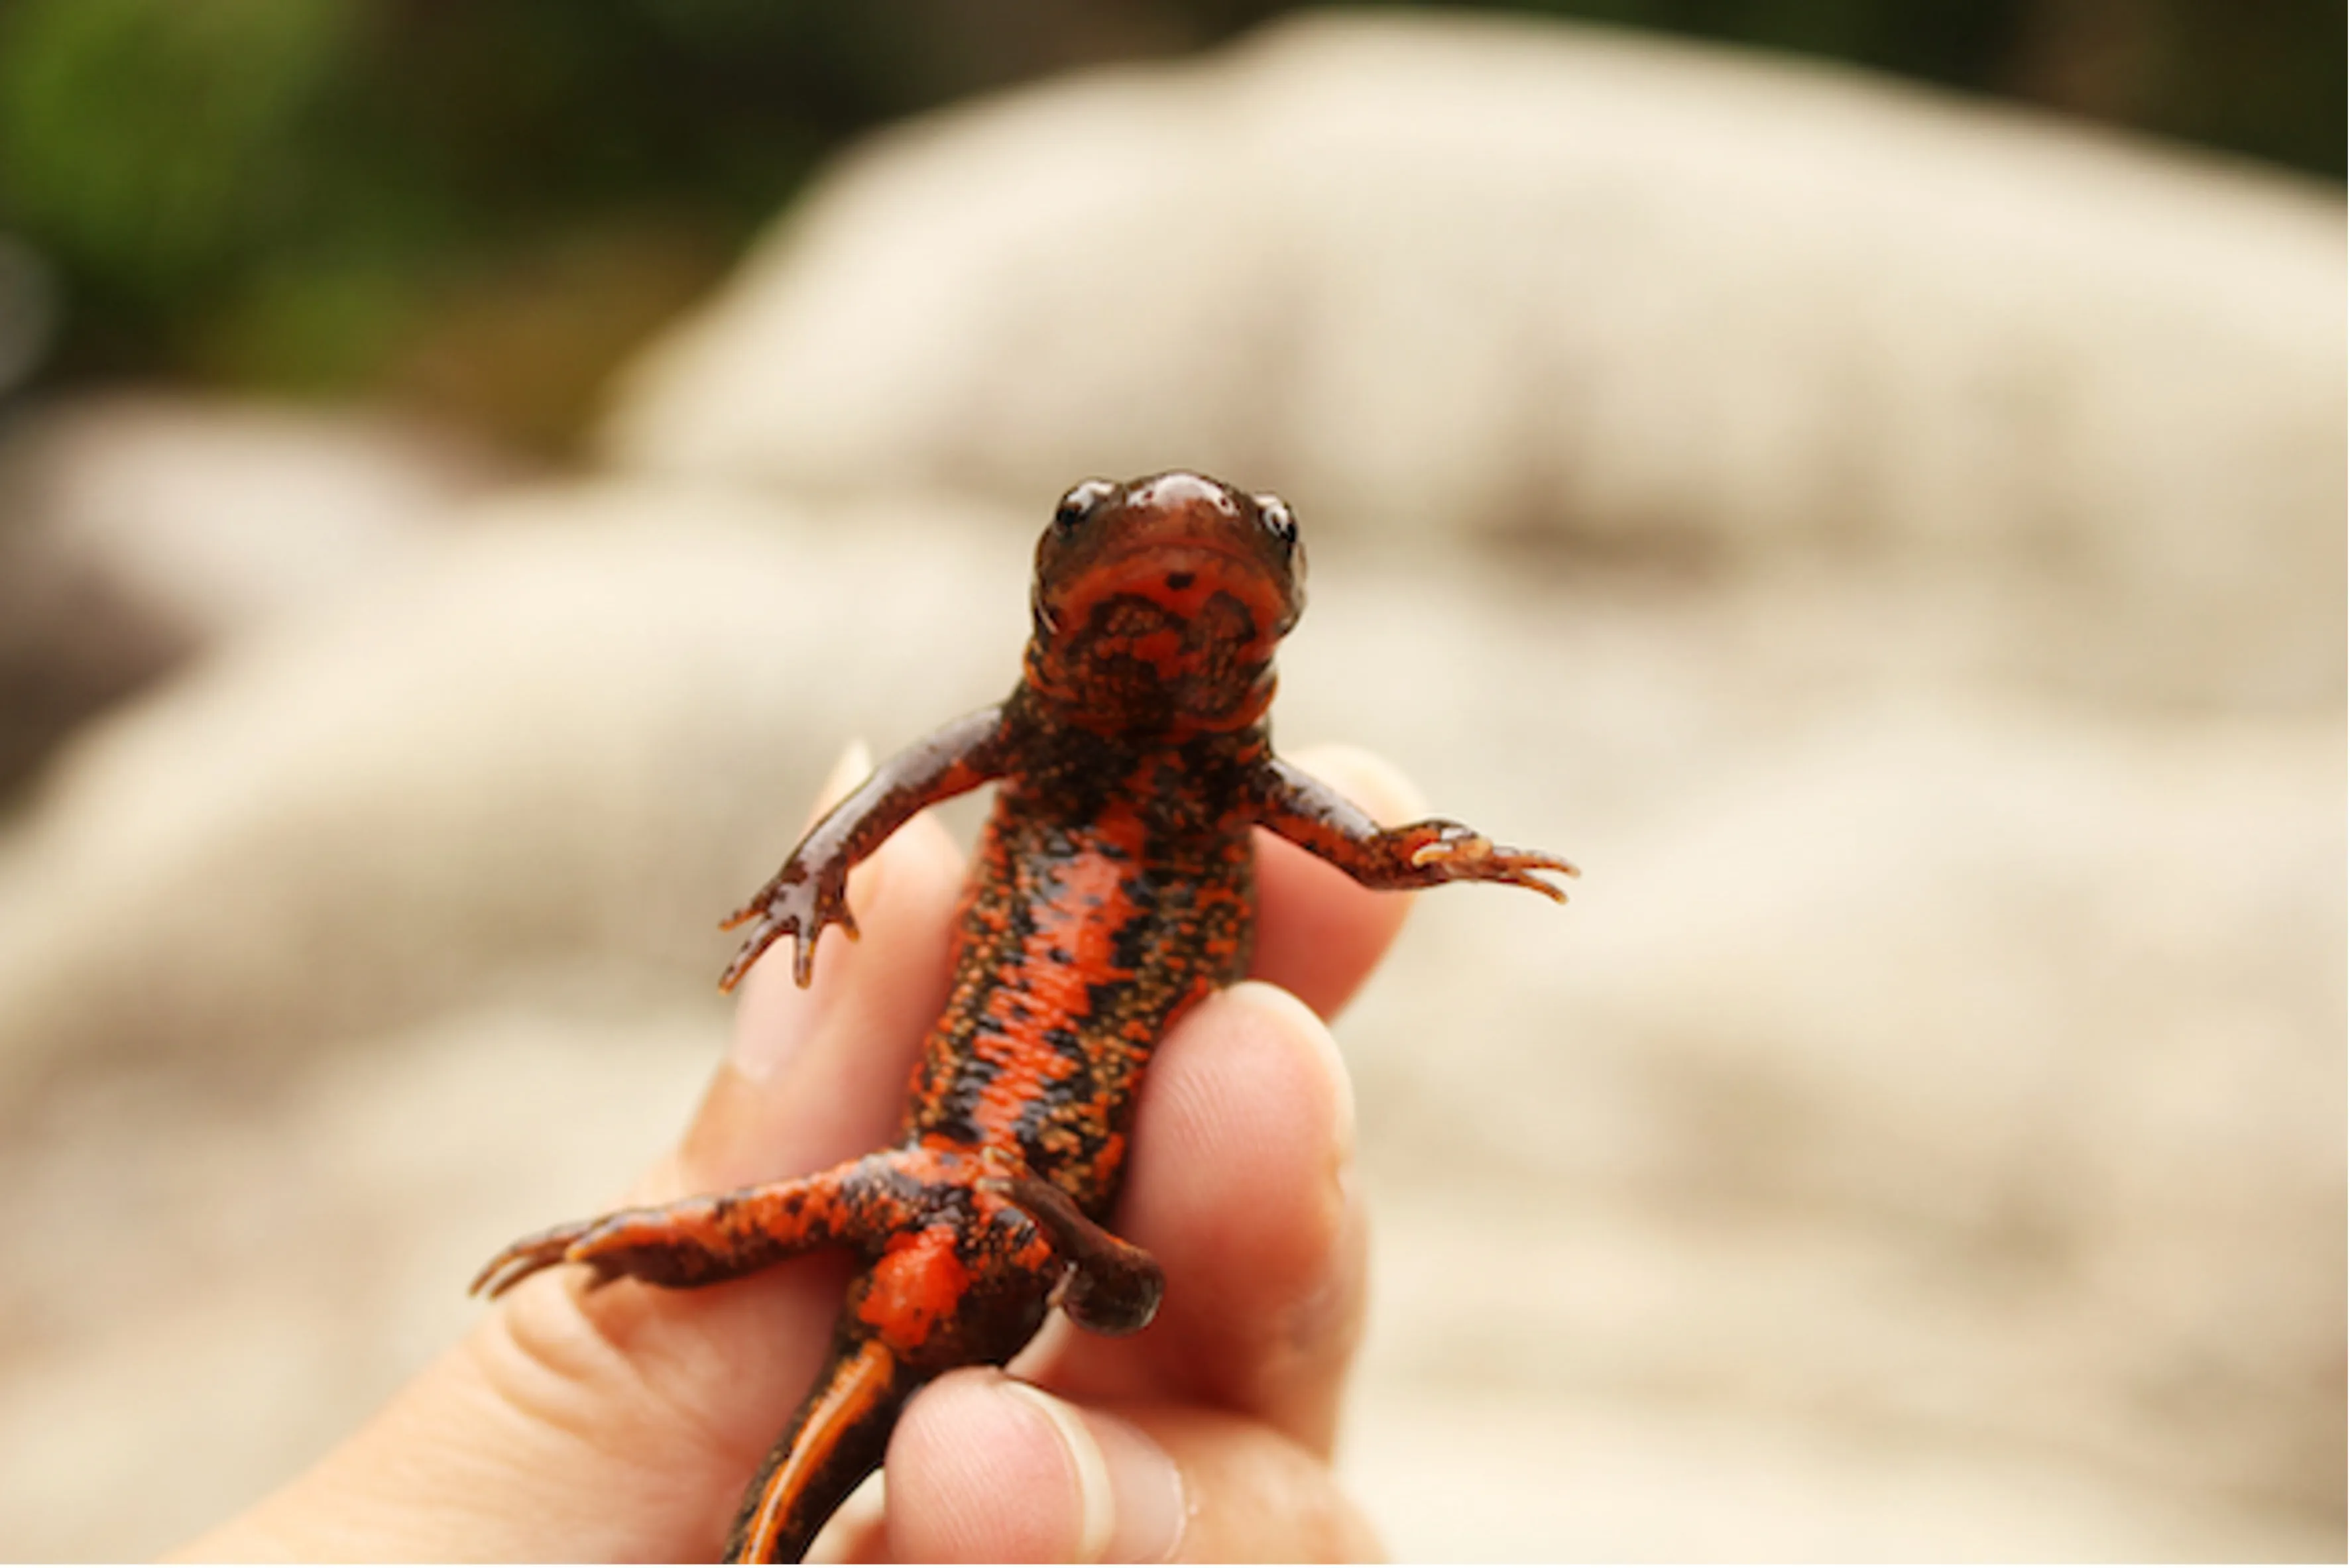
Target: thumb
986	1469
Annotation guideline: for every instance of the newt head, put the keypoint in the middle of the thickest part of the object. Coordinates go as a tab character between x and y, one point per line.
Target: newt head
1158	603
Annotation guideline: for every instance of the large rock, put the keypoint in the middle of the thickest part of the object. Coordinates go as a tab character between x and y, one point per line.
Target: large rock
136	529
569	732
1435	279
214	515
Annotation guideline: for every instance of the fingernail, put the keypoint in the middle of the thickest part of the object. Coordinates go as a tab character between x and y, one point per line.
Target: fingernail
1133	1507
776	1016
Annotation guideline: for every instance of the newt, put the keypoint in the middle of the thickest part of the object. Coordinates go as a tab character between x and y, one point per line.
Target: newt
1112	889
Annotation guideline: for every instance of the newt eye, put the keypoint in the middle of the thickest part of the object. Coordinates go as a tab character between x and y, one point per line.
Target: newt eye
1082	503
1275	514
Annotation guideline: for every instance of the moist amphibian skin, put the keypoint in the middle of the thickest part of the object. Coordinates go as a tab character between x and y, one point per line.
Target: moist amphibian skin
1114	888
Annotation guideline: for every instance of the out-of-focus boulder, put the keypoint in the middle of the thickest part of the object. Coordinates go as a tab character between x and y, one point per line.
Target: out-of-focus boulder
568	732
135	528
214	515
1436	278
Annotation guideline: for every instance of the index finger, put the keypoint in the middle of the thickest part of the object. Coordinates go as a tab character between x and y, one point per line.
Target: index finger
1242	1185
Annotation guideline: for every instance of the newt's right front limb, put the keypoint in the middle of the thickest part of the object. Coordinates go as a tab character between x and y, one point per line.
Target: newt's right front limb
811	891
1301	808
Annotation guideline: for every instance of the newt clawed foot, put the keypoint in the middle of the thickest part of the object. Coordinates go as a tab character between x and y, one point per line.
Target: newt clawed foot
635	1243
1111	1286
1452	852
527	1257
792	905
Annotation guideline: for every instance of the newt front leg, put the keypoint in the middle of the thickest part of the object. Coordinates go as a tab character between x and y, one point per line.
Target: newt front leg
1308	813
810	892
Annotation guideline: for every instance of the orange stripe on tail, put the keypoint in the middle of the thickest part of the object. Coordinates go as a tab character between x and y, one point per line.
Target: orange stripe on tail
835	1443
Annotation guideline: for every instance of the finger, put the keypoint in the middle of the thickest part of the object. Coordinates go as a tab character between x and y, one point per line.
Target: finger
817	1073
1242	1187
1319	931
618	1423
986	1469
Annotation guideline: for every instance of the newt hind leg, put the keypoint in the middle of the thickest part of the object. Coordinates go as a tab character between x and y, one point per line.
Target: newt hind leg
1009	1233
1110	1286
1034	1245
704	1241
965	1250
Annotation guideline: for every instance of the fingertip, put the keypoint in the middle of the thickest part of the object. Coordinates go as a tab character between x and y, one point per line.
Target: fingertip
921	843
985	1468
1248	1093
848	770
1306	1033
1132	1504
962	1450
1242	1186
814	1074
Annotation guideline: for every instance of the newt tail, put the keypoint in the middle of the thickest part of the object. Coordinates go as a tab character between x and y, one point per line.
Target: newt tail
1114	888
835	1441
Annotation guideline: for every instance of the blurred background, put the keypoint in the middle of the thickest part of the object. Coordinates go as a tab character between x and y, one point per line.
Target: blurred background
1867	481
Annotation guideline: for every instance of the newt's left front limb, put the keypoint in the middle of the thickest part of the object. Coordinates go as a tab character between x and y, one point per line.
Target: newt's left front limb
811	891
1315	817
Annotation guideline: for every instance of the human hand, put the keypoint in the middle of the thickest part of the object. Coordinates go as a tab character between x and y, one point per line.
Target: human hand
622	1423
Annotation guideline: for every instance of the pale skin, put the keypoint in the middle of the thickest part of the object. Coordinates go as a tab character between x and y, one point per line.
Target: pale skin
620	1424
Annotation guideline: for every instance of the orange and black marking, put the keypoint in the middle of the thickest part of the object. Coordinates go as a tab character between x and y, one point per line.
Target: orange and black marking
1114	888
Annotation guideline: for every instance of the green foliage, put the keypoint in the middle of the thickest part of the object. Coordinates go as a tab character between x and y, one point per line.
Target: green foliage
150	149
316	194
2259	76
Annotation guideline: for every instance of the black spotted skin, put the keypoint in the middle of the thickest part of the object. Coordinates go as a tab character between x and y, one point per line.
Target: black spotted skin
1113	889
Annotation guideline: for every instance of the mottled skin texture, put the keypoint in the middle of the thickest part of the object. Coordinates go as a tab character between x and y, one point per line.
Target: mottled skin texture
1114	888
